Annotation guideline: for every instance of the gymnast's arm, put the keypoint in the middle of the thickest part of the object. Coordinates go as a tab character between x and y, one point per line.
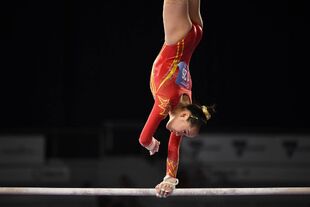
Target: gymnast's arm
173	155
147	139
170	181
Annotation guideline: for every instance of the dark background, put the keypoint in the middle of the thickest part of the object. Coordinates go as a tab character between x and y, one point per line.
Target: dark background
75	71
79	63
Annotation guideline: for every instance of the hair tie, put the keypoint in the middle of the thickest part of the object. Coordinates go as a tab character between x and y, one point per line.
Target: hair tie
206	112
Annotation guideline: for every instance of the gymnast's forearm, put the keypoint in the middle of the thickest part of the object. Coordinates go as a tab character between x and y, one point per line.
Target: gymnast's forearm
173	155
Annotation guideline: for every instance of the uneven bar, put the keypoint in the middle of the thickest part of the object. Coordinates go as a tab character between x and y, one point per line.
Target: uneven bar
151	191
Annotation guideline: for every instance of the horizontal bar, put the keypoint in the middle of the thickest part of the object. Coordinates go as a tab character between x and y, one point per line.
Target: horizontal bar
152	192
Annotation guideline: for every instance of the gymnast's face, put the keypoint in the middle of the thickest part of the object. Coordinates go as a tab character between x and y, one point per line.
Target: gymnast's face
180	125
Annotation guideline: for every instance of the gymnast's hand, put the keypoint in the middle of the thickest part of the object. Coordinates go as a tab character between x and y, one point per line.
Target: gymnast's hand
154	147
166	187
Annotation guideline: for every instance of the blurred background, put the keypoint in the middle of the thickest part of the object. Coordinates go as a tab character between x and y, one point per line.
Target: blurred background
74	79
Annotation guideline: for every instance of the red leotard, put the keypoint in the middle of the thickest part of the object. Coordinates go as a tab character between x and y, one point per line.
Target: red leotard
170	78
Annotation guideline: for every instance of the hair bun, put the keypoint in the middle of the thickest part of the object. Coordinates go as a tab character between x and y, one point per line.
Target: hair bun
206	112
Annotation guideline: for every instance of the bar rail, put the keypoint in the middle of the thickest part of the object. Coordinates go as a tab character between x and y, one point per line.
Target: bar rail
152	192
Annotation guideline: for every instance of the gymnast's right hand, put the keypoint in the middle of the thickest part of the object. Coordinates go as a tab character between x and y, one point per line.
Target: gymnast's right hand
166	187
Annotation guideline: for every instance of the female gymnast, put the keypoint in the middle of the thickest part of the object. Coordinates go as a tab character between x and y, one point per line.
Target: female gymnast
171	85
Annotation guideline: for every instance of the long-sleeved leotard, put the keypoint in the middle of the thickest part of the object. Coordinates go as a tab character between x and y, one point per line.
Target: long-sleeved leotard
170	78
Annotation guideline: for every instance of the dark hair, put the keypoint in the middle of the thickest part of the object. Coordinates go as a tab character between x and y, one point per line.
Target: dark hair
200	114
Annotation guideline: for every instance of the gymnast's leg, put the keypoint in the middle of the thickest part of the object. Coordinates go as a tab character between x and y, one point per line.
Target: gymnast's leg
176	20
194	12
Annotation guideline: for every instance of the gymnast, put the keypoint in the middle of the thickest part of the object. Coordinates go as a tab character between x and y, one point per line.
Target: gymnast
171	85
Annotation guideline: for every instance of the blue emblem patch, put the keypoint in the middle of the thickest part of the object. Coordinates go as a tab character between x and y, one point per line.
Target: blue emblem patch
183	78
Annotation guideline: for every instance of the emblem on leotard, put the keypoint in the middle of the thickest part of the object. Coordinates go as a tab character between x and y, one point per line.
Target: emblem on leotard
183	78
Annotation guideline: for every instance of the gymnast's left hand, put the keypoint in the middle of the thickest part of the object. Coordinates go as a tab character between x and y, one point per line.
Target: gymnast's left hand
166	187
